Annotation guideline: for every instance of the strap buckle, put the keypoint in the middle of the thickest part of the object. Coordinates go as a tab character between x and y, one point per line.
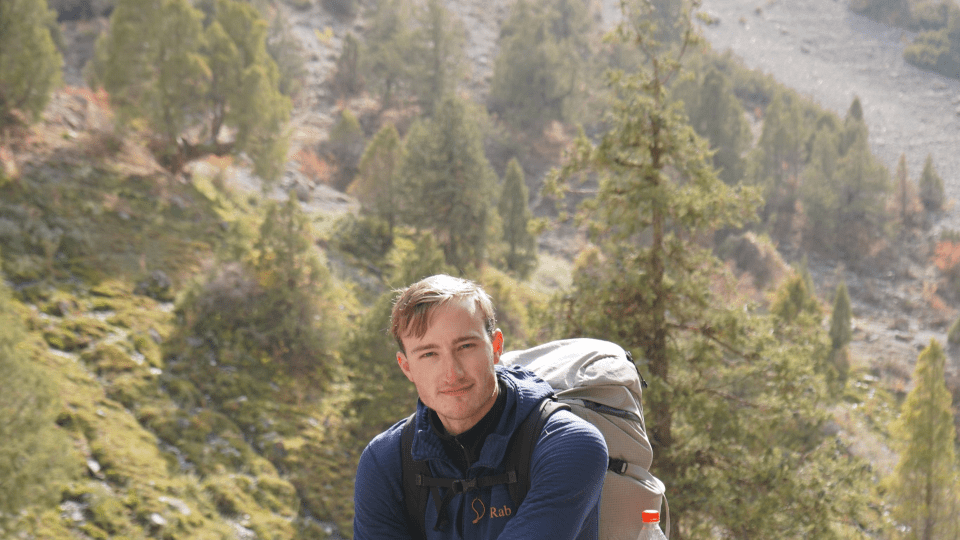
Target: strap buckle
463	486
618	466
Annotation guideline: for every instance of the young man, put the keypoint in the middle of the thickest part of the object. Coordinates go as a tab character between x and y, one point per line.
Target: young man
468	410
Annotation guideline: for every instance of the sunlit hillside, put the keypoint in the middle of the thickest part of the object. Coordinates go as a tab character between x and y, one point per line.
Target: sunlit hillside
200	249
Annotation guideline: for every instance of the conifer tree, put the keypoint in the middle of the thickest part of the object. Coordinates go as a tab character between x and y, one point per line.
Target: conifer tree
841	331
347	80
906	201
386	47
33	462
160	63
649	285
924	487
862	191
346	145
447	182
818	191
535	71
776	161
515	216
716	113
931	187
375	185
436	56
29	59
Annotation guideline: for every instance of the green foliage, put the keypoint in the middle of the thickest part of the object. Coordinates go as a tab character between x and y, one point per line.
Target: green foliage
413	50
160	63
938	47
906	198
447	184
735	400
775	163
29	59
271	314
841	329
953	335
388	38
515	216
436	57
286	51
368	238
924	486
717	115
793	299
844	189
375	185
32	464
931	187
347	80
536	70
346	145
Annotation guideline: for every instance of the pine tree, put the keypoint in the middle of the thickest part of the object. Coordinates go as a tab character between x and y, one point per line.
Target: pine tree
724	383
386	47
159	63
347	80
29	60
515	216
535	72
346	146
906	201
931	187
863	187
437	56
375	185
819	192
841	318
447	184
716	113
33	464
776	161
924	487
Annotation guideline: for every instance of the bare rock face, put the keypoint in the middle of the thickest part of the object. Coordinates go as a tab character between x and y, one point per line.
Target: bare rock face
75	10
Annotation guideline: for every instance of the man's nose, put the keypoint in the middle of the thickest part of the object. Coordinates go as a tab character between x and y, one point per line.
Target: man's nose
454	367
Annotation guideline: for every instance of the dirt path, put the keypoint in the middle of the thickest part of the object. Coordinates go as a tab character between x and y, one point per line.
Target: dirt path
825	51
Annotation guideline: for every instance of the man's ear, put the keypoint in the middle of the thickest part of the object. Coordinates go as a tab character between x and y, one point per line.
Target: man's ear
497	342
404	365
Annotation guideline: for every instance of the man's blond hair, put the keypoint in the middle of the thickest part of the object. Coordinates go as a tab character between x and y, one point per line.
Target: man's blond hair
415	304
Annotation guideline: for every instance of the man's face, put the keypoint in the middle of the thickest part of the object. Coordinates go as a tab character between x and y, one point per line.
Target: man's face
452	365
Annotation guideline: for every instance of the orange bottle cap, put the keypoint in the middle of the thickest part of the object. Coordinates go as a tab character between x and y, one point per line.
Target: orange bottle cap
651	516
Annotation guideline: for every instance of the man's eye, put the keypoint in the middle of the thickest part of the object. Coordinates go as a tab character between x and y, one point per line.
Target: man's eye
428	354
466	345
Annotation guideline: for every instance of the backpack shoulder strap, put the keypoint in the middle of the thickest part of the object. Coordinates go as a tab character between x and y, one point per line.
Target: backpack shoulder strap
520	448
414	496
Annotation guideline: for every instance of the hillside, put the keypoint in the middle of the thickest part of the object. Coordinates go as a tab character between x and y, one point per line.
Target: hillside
102	249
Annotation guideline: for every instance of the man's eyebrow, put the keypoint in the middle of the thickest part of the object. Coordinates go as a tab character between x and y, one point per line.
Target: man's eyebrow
459	340
423	348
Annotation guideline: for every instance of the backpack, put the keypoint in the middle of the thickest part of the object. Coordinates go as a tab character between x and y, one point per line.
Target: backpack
597	381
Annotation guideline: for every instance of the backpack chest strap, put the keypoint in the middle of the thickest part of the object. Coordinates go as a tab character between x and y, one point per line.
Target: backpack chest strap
455	486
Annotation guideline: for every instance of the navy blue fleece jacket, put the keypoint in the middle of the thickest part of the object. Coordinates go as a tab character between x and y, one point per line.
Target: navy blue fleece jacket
567	470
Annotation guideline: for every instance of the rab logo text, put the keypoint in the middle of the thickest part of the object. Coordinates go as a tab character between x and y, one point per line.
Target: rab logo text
502	512
479	509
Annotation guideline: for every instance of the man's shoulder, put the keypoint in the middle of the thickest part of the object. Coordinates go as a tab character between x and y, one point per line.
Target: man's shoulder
566	432
384	449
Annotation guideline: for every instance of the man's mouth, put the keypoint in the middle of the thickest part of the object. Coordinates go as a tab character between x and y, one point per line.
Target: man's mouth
459	391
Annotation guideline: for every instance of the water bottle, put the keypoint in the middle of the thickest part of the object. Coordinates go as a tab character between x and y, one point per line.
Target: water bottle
651	526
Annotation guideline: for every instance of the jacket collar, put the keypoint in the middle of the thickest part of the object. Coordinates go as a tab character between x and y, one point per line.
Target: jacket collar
524	392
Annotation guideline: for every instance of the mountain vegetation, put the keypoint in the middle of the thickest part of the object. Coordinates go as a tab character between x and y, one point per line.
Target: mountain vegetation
184	357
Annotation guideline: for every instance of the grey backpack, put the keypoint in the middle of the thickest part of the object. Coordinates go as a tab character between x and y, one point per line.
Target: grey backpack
600	383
